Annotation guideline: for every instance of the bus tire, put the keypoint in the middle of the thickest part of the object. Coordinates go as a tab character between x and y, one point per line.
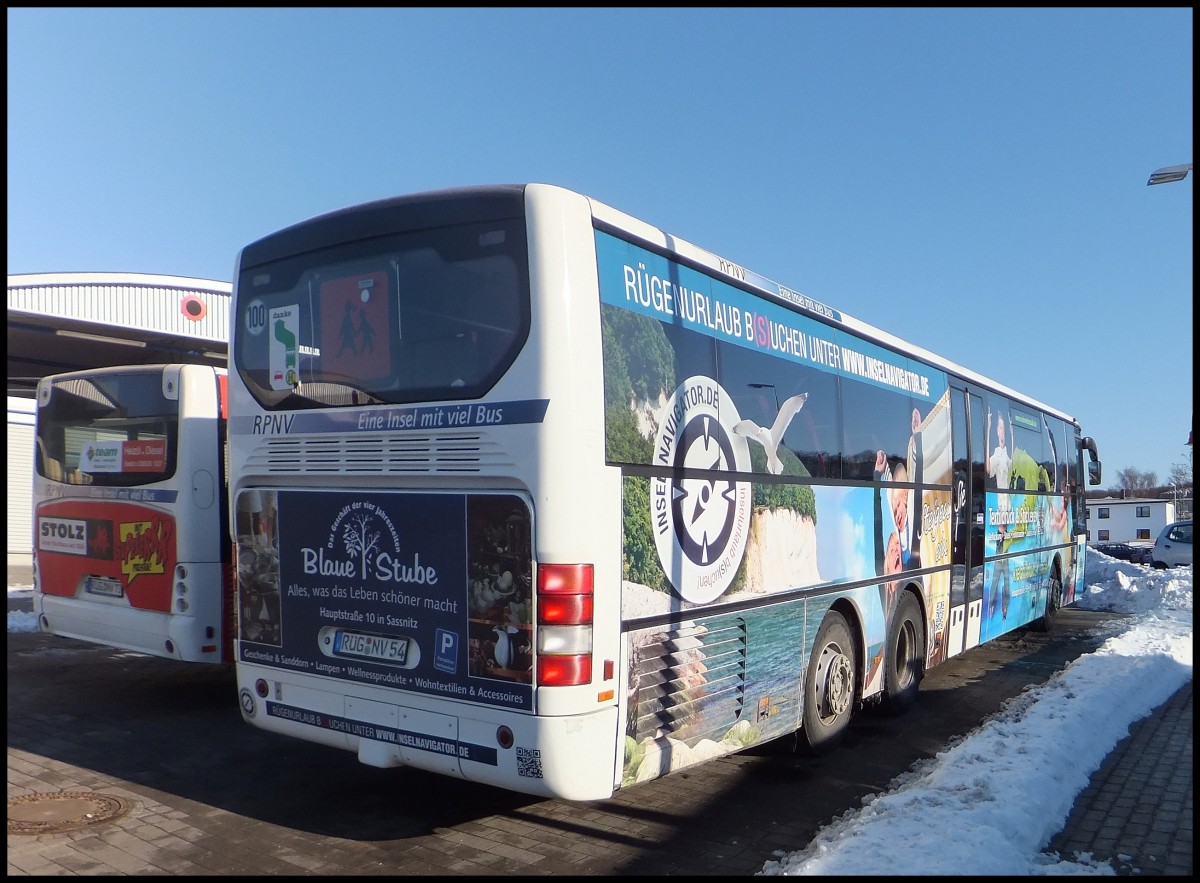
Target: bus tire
1054	593
830	686
904	657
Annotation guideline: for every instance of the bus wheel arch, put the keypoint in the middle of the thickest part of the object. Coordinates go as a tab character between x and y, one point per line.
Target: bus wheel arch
904	654
1054	596
830	690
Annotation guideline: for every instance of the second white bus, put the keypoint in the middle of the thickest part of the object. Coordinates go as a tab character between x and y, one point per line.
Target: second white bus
132	545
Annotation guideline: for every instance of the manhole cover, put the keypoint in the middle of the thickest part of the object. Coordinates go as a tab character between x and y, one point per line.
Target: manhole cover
61	811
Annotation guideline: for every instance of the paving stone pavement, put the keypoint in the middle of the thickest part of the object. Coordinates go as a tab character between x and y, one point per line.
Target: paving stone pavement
1135	815
1136	812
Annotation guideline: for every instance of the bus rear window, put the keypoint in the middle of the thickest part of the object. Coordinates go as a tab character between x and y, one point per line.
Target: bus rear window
428	315
113	431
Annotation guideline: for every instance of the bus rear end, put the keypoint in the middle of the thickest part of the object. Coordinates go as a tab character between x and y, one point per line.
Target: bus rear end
423	516
132	547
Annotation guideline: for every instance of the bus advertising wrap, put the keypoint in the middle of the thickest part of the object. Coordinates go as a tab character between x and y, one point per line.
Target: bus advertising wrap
103	549
428	593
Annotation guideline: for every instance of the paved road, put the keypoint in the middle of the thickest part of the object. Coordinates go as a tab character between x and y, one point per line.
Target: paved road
189	788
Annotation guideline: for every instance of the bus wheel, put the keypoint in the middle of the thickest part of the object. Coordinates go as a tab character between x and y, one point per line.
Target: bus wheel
904	655
829	686
1053	602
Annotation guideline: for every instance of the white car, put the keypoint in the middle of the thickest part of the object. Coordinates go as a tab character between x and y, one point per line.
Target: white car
1173	547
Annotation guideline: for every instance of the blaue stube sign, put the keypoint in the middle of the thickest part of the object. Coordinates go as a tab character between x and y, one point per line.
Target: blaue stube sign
373	588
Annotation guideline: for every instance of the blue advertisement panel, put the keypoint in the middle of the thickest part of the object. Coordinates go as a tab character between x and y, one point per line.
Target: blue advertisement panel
777	458
642	282
1015	584
784	453
426	593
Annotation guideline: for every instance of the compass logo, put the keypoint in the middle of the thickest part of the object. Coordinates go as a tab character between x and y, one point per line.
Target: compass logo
701	519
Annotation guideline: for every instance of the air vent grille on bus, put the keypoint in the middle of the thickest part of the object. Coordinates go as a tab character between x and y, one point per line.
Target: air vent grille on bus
427	454
684	676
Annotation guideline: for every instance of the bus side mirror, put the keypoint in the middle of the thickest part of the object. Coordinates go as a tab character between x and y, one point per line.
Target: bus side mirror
1094	472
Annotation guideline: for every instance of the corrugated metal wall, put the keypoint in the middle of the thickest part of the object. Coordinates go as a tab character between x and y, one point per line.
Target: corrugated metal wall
20	476
153	304
127	300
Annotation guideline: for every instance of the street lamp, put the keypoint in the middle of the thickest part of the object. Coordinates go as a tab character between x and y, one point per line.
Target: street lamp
1166	175
1169	173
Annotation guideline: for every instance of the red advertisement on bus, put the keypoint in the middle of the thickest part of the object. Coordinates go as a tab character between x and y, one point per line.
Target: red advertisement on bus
116	549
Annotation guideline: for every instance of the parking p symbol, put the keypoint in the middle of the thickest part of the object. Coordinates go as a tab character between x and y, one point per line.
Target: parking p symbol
446	657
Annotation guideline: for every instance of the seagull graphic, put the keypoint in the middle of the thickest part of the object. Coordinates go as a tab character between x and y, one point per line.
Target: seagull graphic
770	438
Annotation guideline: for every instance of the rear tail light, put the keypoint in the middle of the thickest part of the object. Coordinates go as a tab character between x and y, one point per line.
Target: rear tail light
565	596
564	671
565	609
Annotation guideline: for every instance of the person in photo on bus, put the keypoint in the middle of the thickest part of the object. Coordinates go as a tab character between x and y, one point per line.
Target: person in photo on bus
1058	519
1057	480
999	468
888	548
1001	587
904	501
999	461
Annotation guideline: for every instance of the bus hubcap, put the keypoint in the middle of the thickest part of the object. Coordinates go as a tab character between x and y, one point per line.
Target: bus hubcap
836	687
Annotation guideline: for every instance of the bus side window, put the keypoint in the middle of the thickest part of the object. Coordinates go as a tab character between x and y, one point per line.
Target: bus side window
859	459
820	458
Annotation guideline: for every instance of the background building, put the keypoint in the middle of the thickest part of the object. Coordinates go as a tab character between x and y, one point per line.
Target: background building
1127	520
69	321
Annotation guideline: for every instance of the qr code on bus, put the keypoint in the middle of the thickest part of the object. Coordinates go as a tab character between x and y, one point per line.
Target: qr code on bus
529	763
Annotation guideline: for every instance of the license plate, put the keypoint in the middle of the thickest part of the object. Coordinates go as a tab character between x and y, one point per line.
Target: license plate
98	585
377	647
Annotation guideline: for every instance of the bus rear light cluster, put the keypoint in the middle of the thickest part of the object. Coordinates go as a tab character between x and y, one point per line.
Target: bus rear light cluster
565	597
181	604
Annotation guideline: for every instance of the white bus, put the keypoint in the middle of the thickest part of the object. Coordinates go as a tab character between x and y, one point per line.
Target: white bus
531	493
130	509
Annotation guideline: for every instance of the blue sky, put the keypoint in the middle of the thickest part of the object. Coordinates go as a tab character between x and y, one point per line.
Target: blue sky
970	180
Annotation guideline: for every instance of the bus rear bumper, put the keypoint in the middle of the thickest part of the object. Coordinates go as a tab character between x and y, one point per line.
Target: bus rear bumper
142	631
570	757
